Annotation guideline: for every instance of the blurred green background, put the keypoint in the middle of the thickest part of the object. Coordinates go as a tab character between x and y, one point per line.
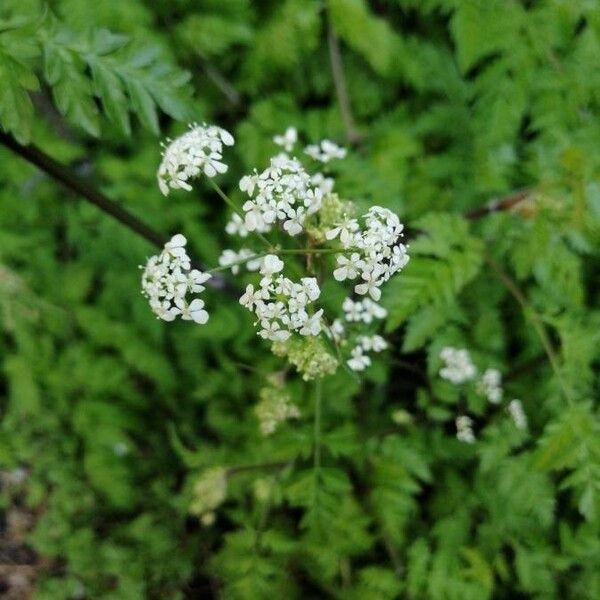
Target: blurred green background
109	416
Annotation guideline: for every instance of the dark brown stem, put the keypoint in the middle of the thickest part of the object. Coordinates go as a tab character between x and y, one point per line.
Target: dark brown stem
82	187
500	205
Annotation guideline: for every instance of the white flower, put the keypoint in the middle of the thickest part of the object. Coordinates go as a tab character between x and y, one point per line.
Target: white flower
359	360
353	310
372	310
325	184
459	367
371	285
490	385
311	288
271	264
374	343
271	330
248	183
295	219
348	267
313	325
325	151
194	311
336	331
251	297
176	245
168	279
515	408
288	139
345	229
236	226
238	259
197	151
194	280
464	429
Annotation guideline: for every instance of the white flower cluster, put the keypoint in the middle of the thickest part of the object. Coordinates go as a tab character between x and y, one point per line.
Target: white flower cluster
459	367
167	280
200	150
490	385
515	408
288	139
373	254
363	310
359	361
283	192
281	305
464	429
325	151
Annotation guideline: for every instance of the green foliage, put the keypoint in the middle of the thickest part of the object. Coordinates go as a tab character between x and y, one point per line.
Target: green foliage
82	70
109	417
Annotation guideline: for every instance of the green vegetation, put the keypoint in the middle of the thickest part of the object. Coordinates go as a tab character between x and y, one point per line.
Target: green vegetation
132	463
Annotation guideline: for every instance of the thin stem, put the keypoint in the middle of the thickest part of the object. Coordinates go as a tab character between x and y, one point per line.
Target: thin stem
535	320
317	431
236	263
505	204
309	251
236	210
88	192
339	81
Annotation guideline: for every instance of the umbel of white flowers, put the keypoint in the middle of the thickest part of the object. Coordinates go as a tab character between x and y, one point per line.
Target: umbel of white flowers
287	197
168	279
281	305
198	151
460	369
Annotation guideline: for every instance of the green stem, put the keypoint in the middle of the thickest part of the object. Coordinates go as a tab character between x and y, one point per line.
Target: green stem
310	251
236	263
317	434
236	210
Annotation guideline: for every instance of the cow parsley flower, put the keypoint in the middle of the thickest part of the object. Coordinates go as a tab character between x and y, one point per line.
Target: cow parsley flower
288	139
281	305
459	367
365	310
515	408
235	226
284	192
464	429
198	151
359	359
374	253
490	385
325	151
168	279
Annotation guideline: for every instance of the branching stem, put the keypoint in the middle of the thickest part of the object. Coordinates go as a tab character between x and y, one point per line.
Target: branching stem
236	210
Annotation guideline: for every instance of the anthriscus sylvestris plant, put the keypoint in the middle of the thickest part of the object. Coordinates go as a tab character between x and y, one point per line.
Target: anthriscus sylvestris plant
291	209
290	212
